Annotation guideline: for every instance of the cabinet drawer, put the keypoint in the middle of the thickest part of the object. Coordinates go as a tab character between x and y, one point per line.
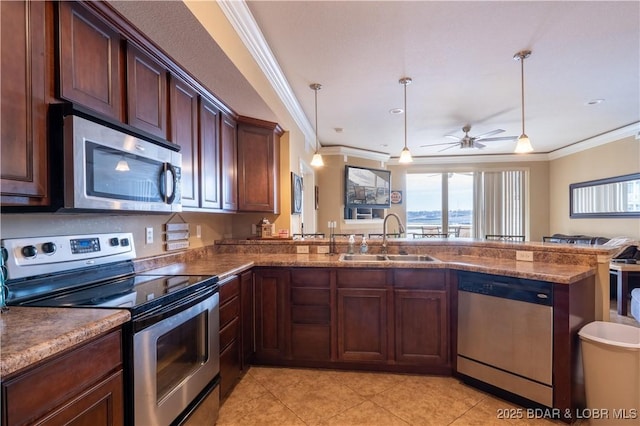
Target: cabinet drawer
310	296
229	311
426	279
229	288
229	333
307	314
359	278
310	278
35	392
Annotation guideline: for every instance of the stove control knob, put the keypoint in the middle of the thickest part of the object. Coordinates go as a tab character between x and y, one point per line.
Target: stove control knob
114	241
49	247
29	251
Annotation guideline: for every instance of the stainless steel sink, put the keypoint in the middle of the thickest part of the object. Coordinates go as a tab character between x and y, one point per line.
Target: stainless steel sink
385	258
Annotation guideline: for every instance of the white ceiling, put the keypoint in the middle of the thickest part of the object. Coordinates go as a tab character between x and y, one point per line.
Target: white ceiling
459	55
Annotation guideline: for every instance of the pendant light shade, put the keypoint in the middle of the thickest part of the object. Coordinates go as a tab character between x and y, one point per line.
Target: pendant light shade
316	161
122	165
405	155
523	145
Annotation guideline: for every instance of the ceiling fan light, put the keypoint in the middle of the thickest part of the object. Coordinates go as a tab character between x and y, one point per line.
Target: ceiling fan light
122	166
316	161
524	145
405	156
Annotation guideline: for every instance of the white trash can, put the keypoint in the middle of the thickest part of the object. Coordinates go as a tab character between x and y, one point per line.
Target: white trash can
611	363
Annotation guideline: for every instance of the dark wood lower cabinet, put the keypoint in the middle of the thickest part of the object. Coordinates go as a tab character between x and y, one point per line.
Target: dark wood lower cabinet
311	314
83	386
230	329
271	316
421	324
362	324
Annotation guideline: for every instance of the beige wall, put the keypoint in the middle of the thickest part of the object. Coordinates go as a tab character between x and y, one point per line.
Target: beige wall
613	159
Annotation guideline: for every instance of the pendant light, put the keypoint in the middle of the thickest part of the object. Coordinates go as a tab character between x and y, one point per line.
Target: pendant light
122	165
405	155
316	161
523	145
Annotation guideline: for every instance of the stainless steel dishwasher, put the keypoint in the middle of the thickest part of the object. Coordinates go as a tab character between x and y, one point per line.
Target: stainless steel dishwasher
505	334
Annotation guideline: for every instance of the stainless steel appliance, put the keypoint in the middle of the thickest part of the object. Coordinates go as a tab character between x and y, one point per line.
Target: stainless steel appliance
505	334
171	360
110	166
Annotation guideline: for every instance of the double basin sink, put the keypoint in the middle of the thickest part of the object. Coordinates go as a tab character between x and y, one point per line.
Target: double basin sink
415	258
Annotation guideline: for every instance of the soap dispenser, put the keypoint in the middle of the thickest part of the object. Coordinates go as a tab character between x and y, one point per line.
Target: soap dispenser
363	246
352	243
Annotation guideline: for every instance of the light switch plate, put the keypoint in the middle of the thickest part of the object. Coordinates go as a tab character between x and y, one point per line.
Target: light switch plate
302	249
526	256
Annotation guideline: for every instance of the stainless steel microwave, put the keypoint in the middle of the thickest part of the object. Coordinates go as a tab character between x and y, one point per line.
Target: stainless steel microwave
108	166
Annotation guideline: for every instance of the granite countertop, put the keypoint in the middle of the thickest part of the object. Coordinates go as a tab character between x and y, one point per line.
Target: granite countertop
29	335
225	265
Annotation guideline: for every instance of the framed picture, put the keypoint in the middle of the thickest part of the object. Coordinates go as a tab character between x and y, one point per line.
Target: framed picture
296	194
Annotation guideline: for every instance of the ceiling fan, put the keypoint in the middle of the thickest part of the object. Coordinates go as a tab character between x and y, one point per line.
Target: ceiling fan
472	141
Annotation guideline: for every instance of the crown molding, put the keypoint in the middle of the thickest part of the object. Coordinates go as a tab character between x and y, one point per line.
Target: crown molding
354	152
243	22
474	159
605	138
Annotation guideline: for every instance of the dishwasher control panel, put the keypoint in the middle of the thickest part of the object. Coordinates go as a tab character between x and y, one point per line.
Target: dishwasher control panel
529	291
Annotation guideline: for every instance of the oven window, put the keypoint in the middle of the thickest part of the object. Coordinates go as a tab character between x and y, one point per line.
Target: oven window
180	352
112	173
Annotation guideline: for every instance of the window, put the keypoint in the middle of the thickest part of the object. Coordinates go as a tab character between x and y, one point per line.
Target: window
466	204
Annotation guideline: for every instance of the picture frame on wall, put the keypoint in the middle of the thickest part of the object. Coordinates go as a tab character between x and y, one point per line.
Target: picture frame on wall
296	194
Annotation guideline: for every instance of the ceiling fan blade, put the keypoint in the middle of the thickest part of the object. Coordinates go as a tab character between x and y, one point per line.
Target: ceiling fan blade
486	135
479	145
449	147
501	138
438	144
453	137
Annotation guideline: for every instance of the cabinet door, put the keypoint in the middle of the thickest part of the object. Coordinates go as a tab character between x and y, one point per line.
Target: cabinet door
247	318
102	405
89	61
362	324
209	156
23	112
272	294
257	169
184	132
228	141
421	327
311	314
146	92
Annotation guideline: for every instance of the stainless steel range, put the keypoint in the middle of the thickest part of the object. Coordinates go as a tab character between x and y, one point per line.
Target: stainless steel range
171	359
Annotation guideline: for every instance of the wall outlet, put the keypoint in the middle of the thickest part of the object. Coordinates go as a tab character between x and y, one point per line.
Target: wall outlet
323	249
526	256
254	229
198	231
148	235
302	249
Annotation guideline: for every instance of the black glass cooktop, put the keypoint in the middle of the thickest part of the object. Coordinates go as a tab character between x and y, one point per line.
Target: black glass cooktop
137	292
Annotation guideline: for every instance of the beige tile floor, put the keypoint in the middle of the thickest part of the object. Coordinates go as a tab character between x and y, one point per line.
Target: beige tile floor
269	396
286	396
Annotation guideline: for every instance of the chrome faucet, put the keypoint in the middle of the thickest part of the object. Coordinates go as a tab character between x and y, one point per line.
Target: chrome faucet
384	230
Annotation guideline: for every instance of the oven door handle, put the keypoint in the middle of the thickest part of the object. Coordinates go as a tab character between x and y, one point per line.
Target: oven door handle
162	312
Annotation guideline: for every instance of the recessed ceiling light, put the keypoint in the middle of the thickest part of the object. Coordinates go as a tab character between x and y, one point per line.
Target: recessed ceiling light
338	129
396	111
595	101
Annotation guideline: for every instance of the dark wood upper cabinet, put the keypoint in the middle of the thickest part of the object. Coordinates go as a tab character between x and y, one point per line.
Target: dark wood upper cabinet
229	154
258	165
209	156
184	132
89	62
146	92
23	83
